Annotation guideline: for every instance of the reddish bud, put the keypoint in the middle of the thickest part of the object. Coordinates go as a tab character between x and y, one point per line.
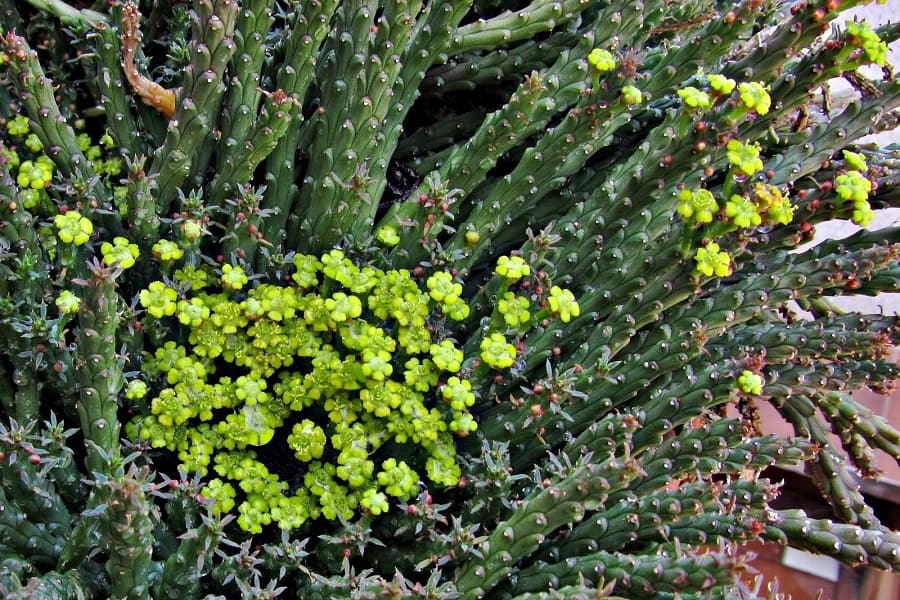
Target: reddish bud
554	397
34	459
537	388
411	509
537	410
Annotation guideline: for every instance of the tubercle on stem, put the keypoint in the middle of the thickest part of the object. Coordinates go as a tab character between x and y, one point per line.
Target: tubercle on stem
150	92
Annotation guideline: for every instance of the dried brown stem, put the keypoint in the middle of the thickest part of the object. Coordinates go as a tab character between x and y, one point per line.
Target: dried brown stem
150	92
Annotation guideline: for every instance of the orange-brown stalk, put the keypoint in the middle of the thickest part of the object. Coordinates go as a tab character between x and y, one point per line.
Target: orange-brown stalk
150	92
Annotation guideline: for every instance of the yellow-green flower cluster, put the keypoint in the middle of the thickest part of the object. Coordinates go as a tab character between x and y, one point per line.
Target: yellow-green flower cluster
345	366
711	260
388	235
697	205
744	156
563	304
35	174
120	252
742	212
513	311
67	303
750	383
772	204
72	228
18	126
753	96
855	186
720	83
512	267
601	60
766	204
167	251
159	299
860	34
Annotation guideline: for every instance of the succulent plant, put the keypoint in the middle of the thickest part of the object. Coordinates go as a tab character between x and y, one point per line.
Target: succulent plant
448	299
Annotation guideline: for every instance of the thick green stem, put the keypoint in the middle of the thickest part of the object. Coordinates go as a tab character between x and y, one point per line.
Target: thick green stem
99	368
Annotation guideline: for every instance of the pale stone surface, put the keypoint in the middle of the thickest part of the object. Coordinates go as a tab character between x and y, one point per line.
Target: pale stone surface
875	14
879	14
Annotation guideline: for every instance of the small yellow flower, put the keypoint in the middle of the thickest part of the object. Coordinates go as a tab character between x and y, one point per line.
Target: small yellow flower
601	60
387	235
562	302
167	251
750	383
631	95
855	161
72	228
694	98
755	97
512	267
711	260
159	299
233	278
67	302
497	352
744	156
720	83
120	252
